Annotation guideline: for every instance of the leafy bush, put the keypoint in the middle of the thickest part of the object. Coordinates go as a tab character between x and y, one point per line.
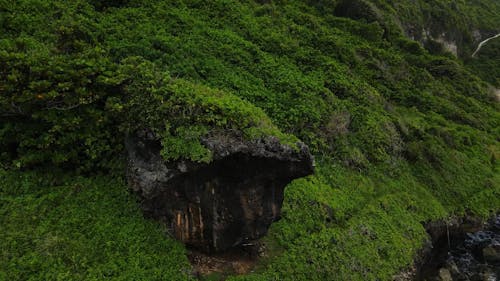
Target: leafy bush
402	135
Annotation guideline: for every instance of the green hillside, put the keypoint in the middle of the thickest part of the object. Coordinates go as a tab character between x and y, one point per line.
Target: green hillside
402	134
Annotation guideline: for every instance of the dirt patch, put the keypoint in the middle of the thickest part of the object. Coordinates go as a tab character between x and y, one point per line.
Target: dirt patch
237	261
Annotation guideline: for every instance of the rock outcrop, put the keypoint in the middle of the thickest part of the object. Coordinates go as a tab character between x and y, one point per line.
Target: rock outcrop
228	202
461	249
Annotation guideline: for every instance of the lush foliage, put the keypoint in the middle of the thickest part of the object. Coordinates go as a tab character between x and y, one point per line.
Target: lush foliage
80	229
403	134
485	64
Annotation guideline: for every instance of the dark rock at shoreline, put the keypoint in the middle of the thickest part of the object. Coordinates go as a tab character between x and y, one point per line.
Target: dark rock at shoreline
462	255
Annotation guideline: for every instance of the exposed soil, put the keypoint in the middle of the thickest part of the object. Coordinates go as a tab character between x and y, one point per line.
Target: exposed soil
236	261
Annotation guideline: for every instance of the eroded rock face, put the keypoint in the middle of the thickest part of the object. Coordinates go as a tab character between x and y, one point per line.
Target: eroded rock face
223	204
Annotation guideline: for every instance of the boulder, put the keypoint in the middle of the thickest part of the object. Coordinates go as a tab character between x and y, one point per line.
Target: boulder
491	254
444	275
222	204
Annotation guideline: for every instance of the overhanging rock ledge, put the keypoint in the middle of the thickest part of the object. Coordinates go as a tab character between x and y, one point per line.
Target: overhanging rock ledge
216	206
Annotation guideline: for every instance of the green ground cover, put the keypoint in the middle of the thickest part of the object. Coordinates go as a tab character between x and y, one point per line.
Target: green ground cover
402	134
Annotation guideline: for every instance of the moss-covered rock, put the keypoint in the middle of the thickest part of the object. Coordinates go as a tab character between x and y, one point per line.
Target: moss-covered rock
222	204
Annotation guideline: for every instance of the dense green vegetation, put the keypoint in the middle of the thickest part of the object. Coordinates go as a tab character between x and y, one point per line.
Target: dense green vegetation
486	62
402	134
77	228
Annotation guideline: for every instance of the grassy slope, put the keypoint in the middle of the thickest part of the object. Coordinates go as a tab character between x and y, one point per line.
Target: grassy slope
80	229
402	137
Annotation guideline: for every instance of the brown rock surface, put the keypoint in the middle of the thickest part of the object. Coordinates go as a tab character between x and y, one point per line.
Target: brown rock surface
225	203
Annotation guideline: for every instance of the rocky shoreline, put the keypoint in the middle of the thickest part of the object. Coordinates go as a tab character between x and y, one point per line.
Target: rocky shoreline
465	248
